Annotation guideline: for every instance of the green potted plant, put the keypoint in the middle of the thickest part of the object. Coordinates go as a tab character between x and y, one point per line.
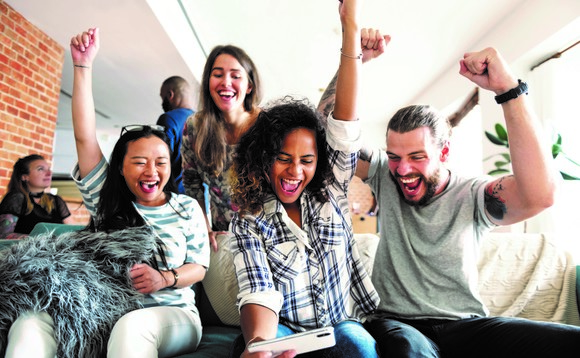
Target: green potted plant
502	165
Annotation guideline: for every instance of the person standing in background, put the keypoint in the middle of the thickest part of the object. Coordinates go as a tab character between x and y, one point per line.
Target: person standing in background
178	106
229	99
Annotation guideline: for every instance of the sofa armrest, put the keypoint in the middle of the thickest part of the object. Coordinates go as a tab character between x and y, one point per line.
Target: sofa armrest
43	228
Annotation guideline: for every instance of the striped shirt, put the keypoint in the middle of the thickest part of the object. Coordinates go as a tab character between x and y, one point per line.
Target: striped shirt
179	224
311	276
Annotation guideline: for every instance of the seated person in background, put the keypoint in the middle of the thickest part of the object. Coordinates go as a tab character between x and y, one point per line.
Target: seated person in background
432	222
26	203
297	265
135	189
177	104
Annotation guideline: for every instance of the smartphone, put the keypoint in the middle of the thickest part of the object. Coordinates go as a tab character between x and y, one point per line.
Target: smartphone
301	342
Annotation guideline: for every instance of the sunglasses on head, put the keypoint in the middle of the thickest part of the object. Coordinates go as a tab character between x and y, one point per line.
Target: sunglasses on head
141	127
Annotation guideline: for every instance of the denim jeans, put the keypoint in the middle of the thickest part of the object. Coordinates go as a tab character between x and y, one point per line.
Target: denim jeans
352	341
474	337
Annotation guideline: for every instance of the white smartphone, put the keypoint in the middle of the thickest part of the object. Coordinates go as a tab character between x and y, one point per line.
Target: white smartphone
302	342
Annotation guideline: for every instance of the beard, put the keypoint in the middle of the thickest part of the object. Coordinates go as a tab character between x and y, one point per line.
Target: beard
431	185
166	105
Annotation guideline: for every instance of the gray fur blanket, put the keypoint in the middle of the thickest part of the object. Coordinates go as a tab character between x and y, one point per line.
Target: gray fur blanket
81	279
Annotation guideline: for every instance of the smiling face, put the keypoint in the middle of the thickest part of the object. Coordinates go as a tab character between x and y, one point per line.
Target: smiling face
39	176
294	167
228	84
147	168
415	163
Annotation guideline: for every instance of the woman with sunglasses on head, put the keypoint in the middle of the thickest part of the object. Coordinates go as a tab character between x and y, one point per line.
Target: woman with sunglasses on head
296	262
26	203
134	189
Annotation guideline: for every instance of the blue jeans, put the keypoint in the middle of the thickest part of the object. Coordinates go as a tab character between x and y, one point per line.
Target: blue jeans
474	337
352	341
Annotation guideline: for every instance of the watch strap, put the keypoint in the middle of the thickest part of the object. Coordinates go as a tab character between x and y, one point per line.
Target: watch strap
175	278
521	88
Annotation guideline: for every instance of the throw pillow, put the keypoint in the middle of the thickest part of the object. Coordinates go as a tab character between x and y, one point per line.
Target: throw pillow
220	282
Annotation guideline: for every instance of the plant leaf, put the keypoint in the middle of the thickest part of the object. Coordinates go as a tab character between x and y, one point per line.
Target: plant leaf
556	149
569	159
568	176
499	171
507	157
501	132
495	140
499	164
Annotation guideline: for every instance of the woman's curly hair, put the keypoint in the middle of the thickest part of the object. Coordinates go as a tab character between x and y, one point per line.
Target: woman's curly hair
259	147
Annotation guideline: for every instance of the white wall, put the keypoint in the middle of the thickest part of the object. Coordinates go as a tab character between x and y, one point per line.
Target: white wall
515	36
538	30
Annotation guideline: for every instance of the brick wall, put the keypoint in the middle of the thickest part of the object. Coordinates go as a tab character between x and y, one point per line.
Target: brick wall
30	78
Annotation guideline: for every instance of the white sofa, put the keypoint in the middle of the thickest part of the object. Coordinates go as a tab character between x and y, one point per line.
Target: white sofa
521	275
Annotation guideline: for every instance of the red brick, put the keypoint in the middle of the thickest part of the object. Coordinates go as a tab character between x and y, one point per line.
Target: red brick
30	76
21	31
5	69
16	47
21	105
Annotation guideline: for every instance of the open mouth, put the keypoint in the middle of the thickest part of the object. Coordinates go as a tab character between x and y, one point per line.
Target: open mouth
290	186
226	95
148	186
410	185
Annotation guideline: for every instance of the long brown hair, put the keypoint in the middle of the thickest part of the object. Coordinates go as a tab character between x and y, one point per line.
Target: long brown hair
16	184
210	146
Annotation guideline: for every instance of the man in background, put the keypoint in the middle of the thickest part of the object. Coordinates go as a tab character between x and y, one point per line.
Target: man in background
178	106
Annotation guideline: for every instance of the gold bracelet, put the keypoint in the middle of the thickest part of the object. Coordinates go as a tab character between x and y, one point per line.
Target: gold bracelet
349	56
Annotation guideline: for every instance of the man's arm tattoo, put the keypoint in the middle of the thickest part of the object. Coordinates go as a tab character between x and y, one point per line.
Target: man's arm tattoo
493	202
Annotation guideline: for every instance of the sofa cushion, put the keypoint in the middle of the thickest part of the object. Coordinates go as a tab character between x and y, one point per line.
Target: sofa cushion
220	283
56	229
367	247
216	342
529	276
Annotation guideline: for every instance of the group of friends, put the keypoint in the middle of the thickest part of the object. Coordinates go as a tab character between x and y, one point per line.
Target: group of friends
276	180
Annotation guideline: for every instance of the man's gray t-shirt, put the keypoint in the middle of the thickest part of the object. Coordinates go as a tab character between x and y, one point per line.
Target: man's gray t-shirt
426	261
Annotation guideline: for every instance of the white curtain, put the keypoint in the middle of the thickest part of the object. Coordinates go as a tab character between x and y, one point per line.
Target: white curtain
555	92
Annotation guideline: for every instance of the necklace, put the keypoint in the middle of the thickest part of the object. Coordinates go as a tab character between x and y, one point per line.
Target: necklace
36	195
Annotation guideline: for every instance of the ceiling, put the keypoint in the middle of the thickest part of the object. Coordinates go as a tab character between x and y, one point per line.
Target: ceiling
294	43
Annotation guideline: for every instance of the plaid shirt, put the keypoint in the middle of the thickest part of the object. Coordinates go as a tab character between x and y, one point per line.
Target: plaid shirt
312	276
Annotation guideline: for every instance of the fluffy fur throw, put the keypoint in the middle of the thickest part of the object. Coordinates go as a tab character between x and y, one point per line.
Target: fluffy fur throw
79	278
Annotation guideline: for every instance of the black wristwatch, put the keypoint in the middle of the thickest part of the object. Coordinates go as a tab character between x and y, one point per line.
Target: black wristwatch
513	93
